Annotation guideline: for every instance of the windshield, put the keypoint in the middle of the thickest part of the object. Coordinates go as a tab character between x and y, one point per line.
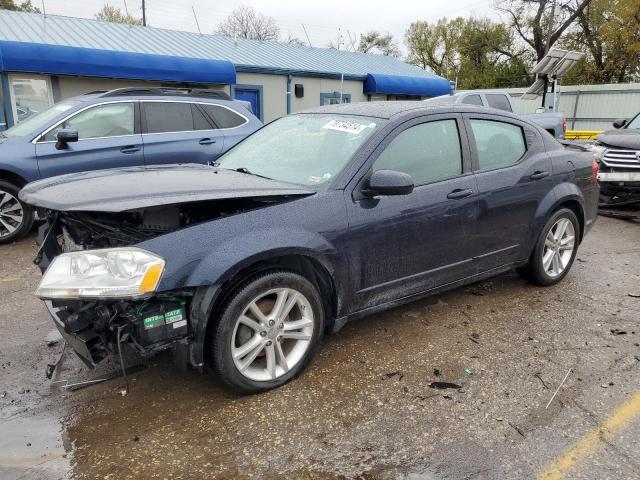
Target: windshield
635	122
301	149
39	121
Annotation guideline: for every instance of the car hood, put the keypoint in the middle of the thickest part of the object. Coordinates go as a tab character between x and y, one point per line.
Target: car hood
623	138
132	188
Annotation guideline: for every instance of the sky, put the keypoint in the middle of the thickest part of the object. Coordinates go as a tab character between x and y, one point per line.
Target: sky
324	20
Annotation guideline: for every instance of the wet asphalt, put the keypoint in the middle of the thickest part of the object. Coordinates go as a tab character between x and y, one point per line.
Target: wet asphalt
365	407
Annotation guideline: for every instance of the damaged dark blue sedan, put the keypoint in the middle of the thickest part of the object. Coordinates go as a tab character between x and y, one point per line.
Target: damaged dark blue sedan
316	219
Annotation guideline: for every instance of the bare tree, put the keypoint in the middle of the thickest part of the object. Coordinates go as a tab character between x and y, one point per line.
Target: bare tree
377	42
292	40
541	23
246	22
115	15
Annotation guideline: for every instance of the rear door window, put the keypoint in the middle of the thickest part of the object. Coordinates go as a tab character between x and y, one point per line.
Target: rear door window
499	101
164	117
499	144
224	117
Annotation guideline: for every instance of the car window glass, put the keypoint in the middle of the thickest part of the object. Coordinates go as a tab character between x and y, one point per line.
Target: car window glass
111	120
499	144
224	117
472	100
199	120
499	101
163	117
428	152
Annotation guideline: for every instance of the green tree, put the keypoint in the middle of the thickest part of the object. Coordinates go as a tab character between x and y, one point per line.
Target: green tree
479	52
377	42
26	6
608	31
115	15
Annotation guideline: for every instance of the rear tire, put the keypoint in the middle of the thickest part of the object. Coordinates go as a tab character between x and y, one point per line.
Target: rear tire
268	331
16	218
555	250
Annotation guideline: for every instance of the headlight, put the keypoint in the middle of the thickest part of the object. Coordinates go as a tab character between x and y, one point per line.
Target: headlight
109	273
598	151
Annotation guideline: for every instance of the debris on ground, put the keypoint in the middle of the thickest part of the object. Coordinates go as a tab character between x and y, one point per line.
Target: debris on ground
559	387
437	372
397	374
444	385
468	371
617	331
516	428
53	338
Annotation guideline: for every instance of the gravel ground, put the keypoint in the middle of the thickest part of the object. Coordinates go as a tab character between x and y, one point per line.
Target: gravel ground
365	407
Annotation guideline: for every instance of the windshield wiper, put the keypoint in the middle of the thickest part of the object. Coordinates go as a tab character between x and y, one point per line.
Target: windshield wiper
249	172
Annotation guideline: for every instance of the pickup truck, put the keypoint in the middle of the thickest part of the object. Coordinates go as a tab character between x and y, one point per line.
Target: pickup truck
553	122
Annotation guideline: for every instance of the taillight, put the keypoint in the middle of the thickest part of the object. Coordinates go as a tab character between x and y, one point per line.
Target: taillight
564	124
595	168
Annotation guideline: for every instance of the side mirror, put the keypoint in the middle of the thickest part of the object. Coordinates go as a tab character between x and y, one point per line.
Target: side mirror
65	136
389	182
619	123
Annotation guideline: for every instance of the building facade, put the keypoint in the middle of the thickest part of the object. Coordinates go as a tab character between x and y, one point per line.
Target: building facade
45	59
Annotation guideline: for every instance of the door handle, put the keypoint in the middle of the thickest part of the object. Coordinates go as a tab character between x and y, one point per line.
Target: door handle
207	141
459	193
130	149
538	175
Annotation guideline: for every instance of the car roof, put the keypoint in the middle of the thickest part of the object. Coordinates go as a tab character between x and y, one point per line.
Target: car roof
159	93
391	109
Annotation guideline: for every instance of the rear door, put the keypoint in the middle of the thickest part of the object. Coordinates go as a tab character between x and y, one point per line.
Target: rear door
108	137
513	172
178	132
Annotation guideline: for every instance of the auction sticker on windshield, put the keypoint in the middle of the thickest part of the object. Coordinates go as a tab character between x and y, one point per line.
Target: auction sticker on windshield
346	126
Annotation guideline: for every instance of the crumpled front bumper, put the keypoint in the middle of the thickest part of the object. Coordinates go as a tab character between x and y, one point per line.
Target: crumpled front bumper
82	343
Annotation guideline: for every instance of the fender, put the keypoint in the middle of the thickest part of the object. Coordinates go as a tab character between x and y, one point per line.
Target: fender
561	193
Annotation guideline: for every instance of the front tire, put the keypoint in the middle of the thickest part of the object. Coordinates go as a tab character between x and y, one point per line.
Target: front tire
16	218
267	332
554	251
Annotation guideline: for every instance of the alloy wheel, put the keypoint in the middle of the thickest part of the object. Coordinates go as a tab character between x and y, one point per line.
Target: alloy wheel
558	247
273	334
11	214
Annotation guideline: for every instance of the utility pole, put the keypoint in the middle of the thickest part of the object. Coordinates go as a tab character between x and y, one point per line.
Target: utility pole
144	14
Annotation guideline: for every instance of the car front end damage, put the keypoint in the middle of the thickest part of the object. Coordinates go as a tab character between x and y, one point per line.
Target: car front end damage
104	291
101	292
618	153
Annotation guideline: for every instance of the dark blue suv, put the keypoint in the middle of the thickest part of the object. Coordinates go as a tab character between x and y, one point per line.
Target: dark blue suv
118	128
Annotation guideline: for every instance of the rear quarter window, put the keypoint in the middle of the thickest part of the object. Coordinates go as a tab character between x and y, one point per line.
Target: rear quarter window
472	100
224	117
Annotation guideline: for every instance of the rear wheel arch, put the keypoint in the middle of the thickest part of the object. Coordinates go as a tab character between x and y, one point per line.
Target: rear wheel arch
576	208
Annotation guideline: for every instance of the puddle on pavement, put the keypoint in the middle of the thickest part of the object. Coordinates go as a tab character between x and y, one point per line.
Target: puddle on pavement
33	446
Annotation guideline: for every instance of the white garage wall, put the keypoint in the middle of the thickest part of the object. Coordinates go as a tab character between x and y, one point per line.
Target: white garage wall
274	91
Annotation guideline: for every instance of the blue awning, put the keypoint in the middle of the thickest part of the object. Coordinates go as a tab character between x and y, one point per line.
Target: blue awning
431	86
88	62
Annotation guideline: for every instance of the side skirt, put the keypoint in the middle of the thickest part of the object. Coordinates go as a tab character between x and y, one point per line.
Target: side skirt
342	321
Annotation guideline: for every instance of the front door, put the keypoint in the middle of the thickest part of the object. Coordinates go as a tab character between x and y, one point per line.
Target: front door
514	174
412	243
178	132
107	138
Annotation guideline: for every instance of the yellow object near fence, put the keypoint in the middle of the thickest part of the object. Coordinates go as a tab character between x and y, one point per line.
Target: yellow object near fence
581	134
